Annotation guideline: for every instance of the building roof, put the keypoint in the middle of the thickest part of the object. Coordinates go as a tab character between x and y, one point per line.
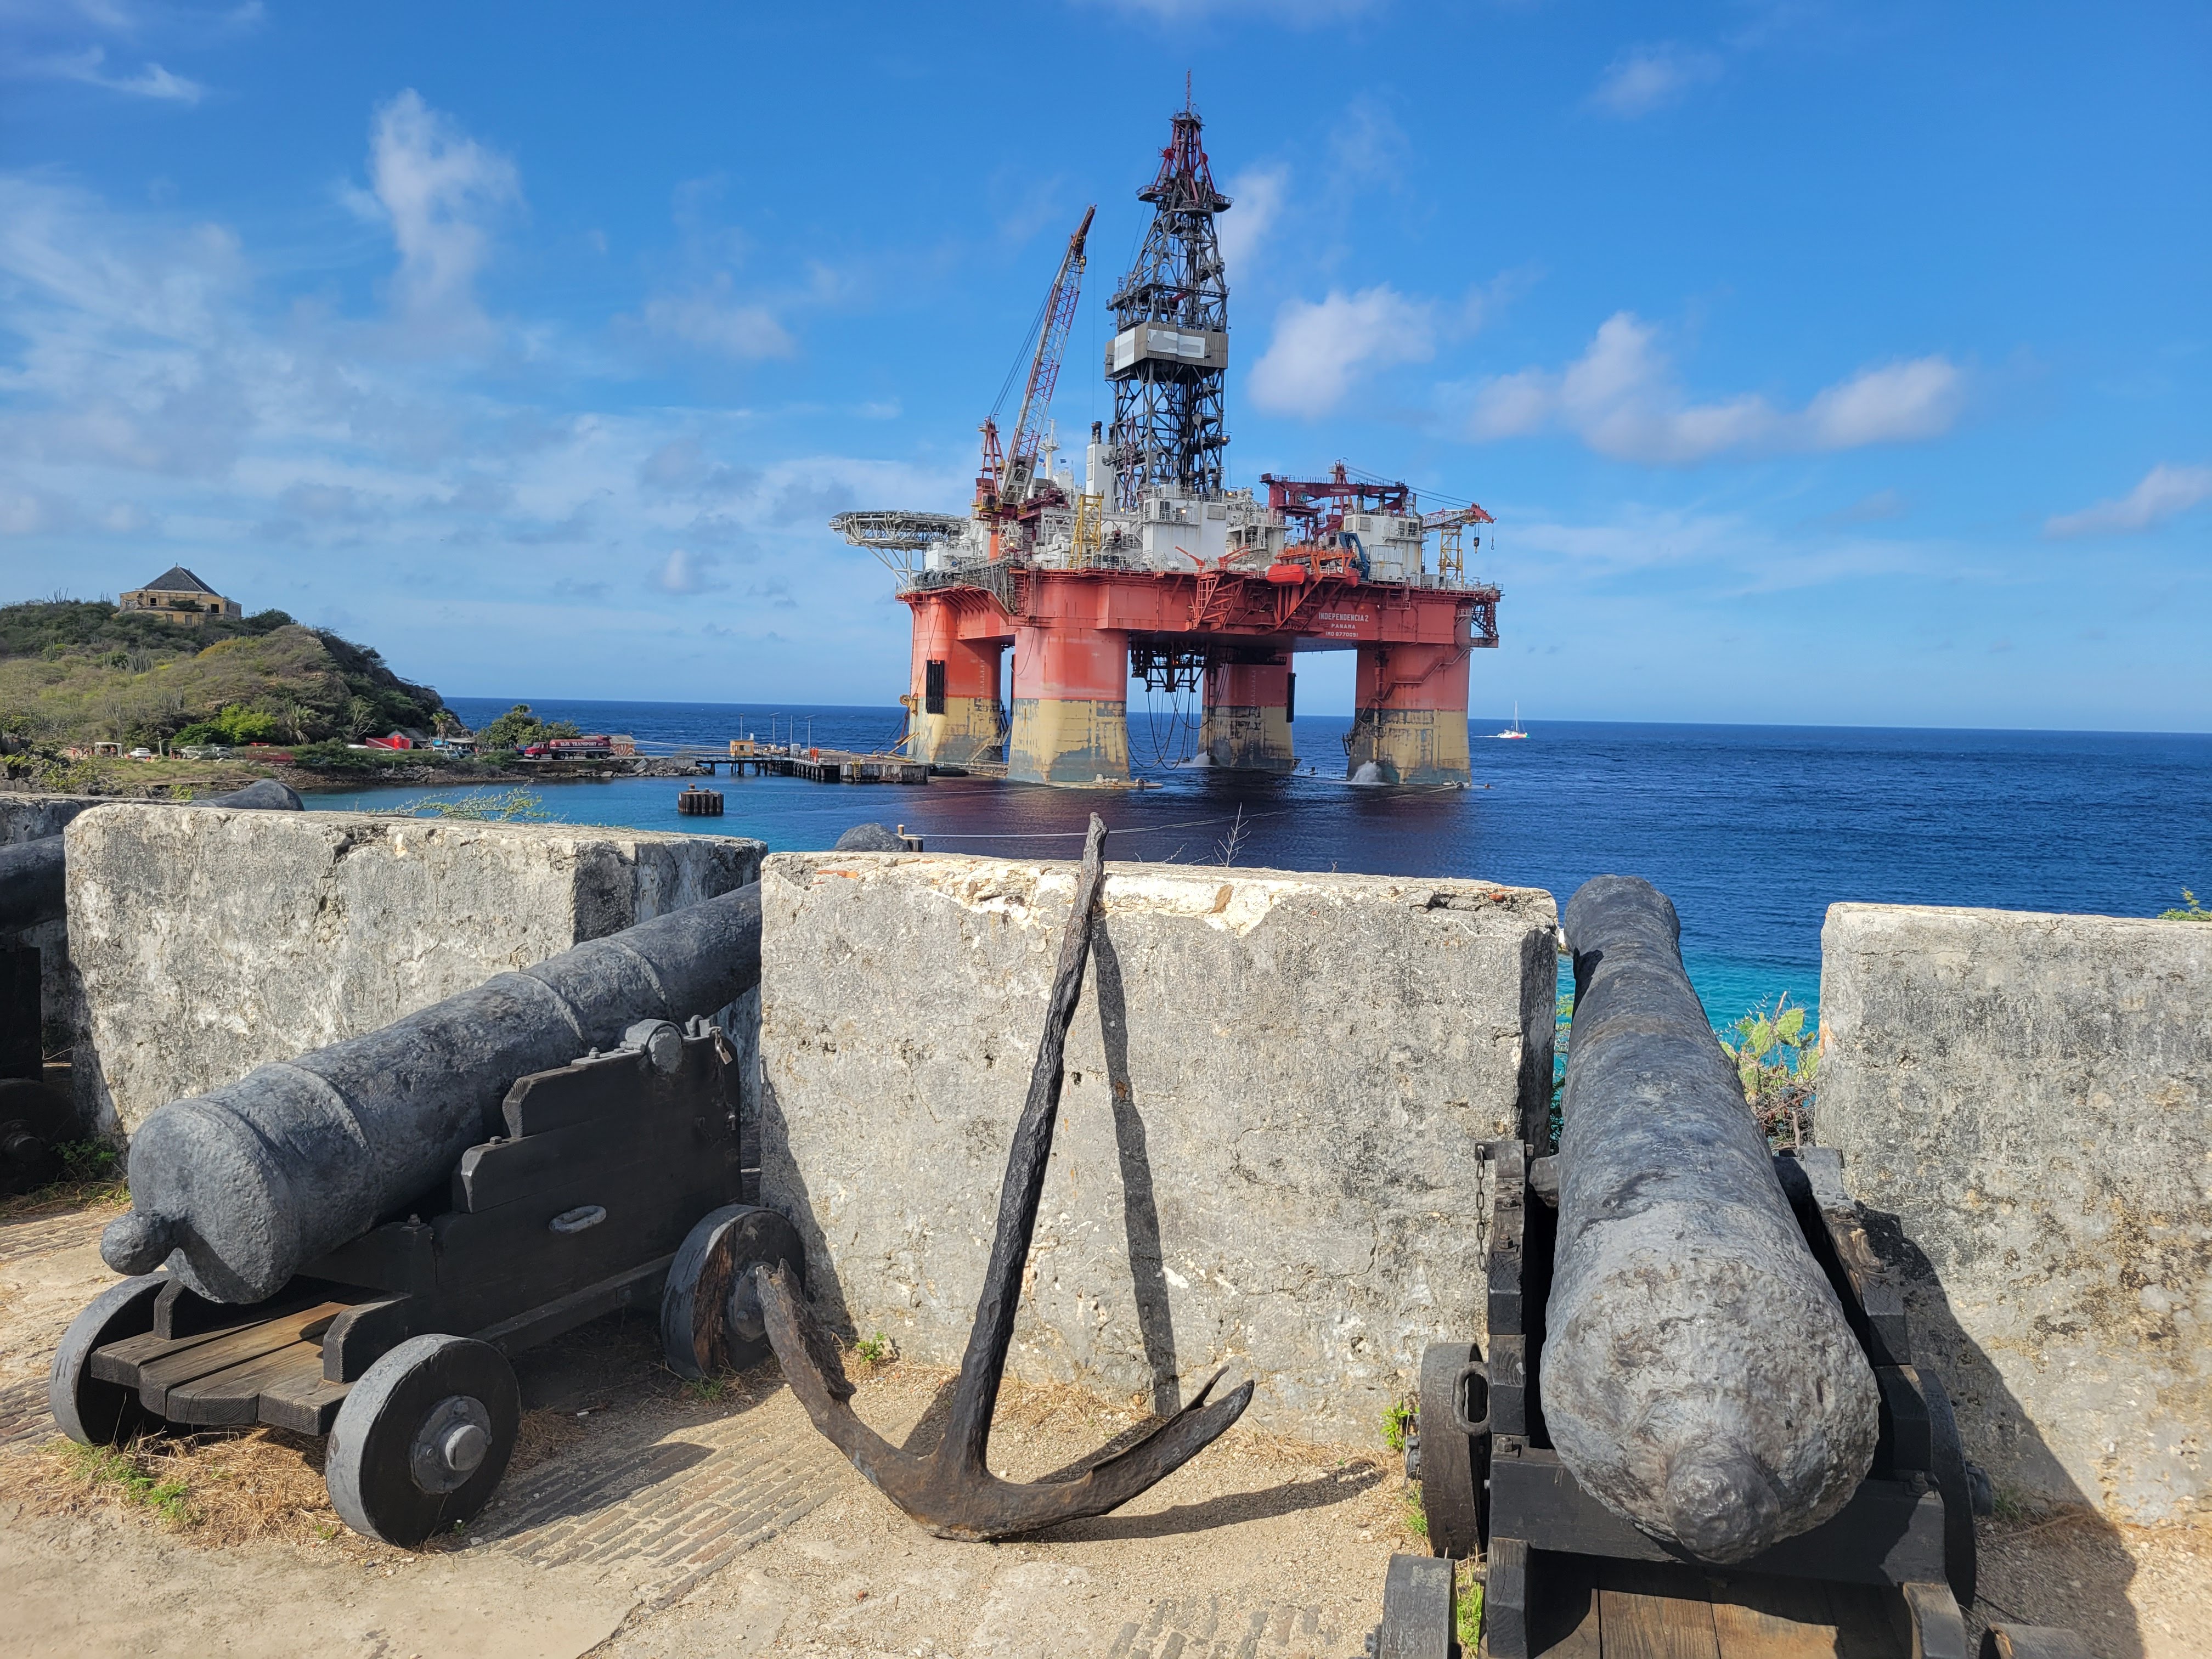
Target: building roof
178	580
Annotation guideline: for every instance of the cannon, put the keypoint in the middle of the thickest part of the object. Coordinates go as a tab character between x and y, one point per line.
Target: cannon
1696	1426
34	1117
354	1243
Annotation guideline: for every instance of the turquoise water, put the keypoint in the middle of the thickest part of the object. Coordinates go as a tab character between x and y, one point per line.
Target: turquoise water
1753	831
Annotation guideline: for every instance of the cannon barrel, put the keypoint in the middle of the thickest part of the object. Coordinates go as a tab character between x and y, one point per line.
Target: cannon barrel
241	1187
32	872
1699	1376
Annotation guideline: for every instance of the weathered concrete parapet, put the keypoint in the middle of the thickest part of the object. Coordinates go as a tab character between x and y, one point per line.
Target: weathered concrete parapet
27	817
2030	1098
208	942
1277	1086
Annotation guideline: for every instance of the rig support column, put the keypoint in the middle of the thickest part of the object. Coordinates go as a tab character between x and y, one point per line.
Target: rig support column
1248	715
1071	706
1409	715
956	716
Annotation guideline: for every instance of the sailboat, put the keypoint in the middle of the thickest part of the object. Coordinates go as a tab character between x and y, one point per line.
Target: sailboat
1513	730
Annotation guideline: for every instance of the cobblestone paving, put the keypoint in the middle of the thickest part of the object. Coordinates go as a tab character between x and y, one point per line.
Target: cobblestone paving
666	1513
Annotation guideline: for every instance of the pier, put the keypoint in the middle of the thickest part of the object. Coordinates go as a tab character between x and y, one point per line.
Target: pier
815	765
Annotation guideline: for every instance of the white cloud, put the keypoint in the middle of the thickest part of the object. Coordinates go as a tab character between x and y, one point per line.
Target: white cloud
1619	396
88	67
1318	348
1259	194
1650	77
2165	491
1896	403
162	400
711	315
439	191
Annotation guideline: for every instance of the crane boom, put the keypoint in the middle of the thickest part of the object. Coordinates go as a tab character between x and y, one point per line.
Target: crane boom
1044	369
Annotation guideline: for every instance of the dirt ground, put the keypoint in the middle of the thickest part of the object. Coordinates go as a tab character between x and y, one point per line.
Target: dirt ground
643	1519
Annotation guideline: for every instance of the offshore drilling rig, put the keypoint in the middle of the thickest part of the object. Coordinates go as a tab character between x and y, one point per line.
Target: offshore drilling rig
1150	565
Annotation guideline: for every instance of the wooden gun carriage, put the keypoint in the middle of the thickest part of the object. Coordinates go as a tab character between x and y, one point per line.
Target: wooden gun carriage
612	1189
353	1243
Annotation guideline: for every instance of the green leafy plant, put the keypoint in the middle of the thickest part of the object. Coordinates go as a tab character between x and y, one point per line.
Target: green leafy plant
2194	912
519	726
1777	1060
1417	1516
1397	1419
706	1389
235	724
876	1350
1470	1608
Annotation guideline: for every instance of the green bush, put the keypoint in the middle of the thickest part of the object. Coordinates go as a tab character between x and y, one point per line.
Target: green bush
1778	1062
237	725
518	727
2195	912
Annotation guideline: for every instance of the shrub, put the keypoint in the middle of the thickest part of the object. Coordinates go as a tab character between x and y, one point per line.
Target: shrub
2195	912
236	725
1778	1062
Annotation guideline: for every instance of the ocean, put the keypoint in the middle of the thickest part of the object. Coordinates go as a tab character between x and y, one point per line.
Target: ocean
1752	830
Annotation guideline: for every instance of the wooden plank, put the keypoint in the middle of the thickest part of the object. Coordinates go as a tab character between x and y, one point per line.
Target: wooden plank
233	1396
1564	1620
157	1376
543	1324
619	1086
1647	1610
305	1405
1866	1622
1907	1441
1505	1600
1755	1617
121	1362
1509	1384
500	1172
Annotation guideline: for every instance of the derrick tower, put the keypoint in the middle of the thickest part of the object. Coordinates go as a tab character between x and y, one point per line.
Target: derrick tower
1170	352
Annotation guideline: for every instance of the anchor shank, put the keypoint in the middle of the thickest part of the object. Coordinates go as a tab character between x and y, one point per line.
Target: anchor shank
968	1429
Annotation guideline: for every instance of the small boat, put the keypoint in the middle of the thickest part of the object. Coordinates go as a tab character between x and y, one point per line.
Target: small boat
1513	730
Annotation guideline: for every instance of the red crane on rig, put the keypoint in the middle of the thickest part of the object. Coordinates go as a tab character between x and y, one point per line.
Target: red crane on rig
1006	484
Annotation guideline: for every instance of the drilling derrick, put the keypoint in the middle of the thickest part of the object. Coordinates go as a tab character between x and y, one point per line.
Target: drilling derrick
1171	348
1148	563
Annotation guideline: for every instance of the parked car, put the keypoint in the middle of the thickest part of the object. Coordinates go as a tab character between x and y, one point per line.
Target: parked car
141	754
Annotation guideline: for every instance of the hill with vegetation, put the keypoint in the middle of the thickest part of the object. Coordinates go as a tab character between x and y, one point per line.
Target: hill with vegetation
73	672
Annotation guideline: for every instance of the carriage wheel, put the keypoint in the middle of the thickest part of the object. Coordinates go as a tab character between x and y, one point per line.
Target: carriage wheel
90	1412
1453	1423
422	1438
710	1318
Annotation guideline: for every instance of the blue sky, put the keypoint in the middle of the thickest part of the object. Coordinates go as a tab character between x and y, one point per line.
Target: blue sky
1827	363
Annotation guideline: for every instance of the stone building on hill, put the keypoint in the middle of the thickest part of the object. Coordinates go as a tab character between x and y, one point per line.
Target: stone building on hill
178	596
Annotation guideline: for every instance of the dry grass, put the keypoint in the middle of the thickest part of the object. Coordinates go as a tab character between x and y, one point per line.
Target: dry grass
64	1196
543	1435
214	1490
